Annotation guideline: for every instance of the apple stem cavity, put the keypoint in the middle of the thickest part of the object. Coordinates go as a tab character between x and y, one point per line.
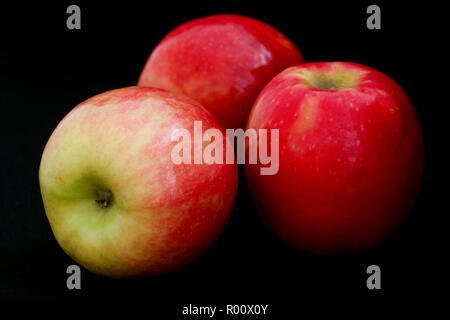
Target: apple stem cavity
335	79
104	198
332	82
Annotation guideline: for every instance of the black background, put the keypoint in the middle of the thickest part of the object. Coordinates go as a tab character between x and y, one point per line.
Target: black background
46	69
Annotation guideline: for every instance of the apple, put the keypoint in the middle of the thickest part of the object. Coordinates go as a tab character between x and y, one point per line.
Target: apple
115	201
222	61
351	157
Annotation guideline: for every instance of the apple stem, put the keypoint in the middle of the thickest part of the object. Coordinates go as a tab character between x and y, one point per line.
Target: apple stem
104	198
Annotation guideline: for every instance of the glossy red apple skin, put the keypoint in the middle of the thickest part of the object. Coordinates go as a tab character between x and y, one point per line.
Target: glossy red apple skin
163	215
221	61
351	159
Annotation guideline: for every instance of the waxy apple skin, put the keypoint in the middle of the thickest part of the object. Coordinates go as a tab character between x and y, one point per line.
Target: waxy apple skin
161	215
351	157
221	61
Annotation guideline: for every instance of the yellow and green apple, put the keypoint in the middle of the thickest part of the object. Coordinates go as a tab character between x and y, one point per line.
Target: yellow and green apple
116	202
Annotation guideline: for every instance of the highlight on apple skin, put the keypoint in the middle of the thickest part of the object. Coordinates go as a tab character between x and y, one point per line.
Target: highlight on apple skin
115	201
221	61
351	157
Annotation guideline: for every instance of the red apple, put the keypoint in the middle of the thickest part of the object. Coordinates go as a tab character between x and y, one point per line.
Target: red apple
351	156
222	61
115	200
